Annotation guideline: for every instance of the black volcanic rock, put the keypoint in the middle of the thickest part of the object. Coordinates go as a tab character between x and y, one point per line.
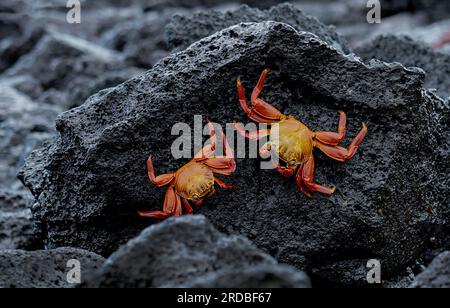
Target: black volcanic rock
90	182
403	49
437	275
189	252
185	30
43	269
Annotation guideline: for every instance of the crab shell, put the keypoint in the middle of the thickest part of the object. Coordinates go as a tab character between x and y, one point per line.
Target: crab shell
194	181
292	141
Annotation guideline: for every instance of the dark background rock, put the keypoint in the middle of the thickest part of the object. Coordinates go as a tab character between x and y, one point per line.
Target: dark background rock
183	251
437	275
141	40
16	226
185	30
71	69
411	53
43	269
95	180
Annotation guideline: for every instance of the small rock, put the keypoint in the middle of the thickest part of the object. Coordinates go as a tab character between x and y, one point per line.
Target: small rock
44	269
16	226
189	252
437	275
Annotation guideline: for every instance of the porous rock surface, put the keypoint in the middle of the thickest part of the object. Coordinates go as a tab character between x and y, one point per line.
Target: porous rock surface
437	275
189	252
44	269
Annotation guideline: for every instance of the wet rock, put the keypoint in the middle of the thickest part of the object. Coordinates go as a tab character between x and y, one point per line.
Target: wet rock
185	30
411	53
90	182
71	69
188	251
43	269
437	275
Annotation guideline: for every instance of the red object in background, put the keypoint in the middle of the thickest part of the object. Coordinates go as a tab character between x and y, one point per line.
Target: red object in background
445	40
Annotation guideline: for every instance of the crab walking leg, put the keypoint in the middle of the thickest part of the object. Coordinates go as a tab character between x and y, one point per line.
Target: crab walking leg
199	203
299	181
265	151
161	180
286	172
261	112
171	206
308	179
187	206
342	154
223	185
255	136
224	166
332	138
258	89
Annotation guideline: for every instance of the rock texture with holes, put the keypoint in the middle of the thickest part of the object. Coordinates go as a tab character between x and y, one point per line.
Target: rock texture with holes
44	269
189	252
437	275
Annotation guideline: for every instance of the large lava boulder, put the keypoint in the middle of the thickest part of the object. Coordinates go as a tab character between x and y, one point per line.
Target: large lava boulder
189	252
45	269
90	182
184	30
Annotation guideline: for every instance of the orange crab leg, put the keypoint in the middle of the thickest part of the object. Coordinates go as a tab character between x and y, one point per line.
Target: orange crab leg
265	151
172	206
256	135
223	185
261	111
300	184
199	203
308	179
187	206
286	172
342	154
332	138
161	180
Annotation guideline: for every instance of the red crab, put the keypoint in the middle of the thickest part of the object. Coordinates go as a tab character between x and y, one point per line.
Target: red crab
194	181
293	141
